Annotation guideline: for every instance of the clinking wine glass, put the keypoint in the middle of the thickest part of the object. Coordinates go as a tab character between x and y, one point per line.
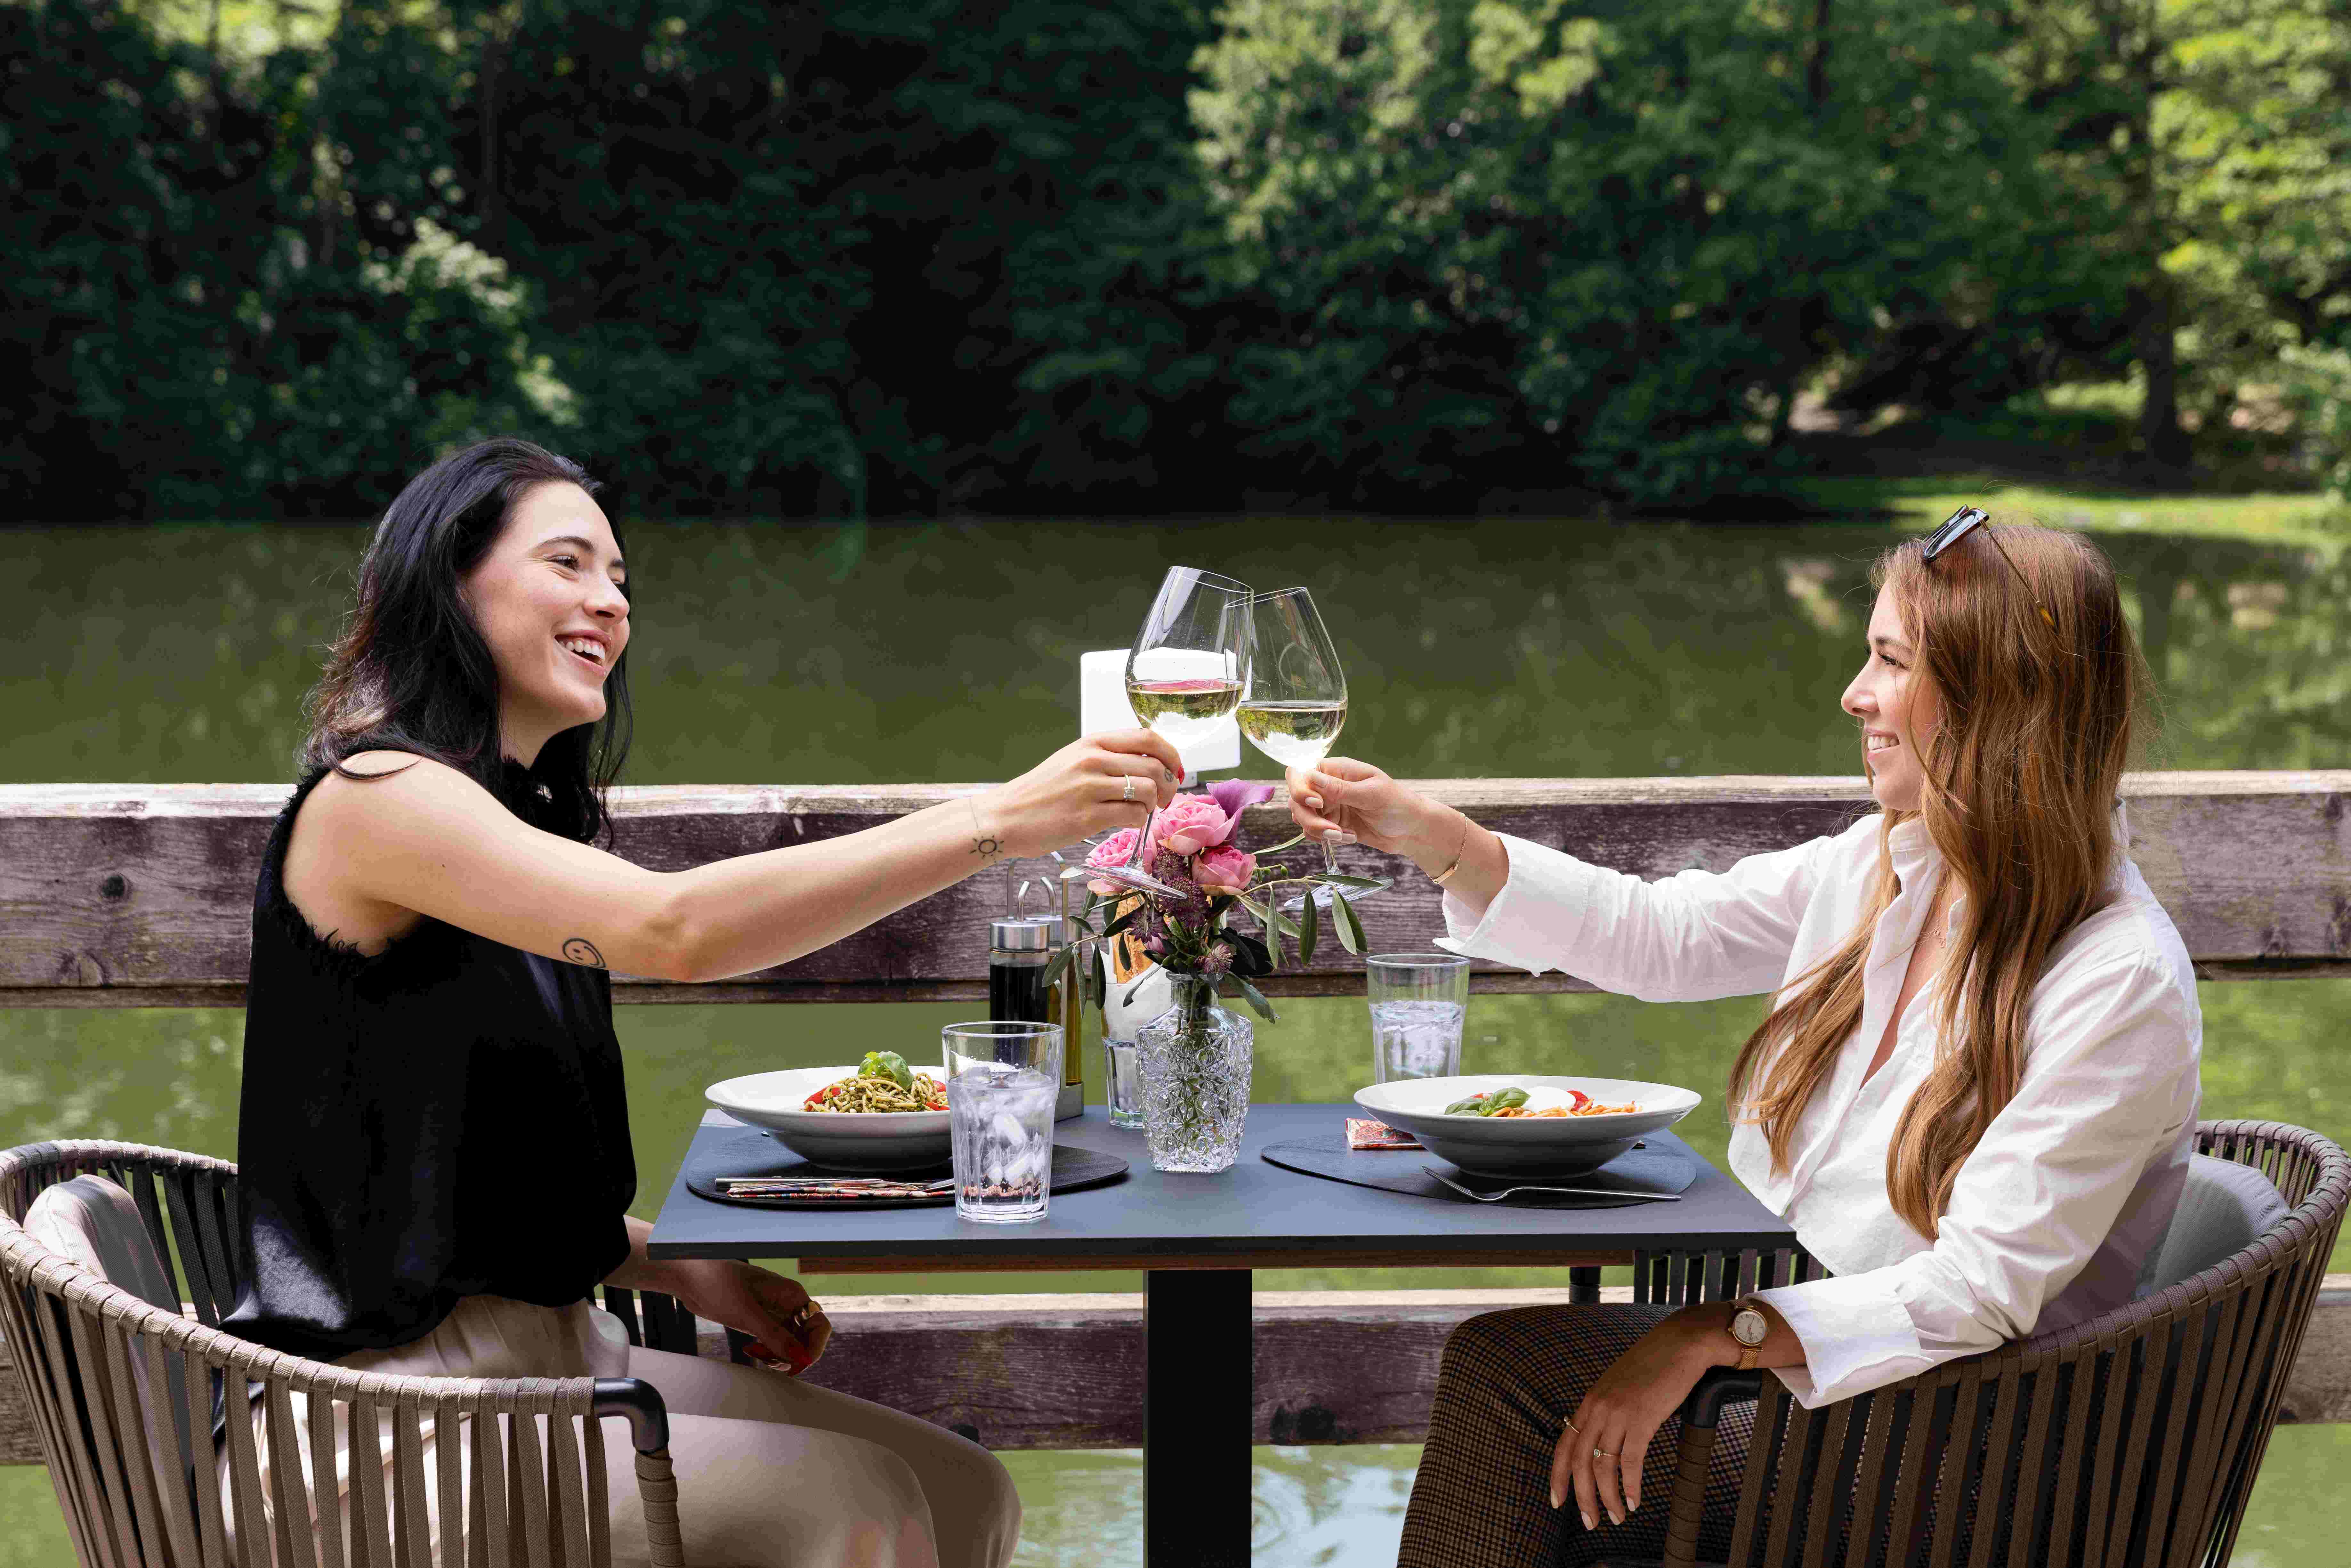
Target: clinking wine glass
1295	702
1184	674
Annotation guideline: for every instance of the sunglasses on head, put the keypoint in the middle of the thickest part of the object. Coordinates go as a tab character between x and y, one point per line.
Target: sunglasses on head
1961	523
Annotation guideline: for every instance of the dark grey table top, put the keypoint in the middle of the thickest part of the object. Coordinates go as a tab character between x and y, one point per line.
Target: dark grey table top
1255	1214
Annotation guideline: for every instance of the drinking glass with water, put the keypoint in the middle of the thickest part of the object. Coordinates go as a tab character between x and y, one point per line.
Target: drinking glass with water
1418	1003
1003	1079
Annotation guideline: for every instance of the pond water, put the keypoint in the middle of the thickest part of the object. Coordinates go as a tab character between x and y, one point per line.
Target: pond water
811	654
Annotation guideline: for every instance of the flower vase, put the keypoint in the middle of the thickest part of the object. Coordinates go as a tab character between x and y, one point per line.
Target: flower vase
1196	1079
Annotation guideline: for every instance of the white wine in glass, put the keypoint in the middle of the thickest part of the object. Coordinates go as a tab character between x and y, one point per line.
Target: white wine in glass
1296	702
1184	674
1186	712
1294	733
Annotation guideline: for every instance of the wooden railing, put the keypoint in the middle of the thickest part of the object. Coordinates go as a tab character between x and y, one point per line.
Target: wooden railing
141	896
129	896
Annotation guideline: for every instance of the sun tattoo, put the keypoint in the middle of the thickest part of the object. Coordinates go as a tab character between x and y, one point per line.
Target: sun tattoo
579	950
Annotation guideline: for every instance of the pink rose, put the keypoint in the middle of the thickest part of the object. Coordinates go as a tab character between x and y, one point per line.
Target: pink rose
1224	869
1190	825
1111	850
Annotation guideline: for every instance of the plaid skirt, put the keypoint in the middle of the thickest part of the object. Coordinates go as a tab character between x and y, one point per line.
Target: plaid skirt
1508	1382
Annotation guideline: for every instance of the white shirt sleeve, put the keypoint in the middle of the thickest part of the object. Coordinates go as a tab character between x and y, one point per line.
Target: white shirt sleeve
2109	1082
1688	937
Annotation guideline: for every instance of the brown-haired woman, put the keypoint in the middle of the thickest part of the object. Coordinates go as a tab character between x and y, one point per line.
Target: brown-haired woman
434	1138
1975	1094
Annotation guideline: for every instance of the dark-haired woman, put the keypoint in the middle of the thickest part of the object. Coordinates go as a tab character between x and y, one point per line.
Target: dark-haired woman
433	1137
1974	1096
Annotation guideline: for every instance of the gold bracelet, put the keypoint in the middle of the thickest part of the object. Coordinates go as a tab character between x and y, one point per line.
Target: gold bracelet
1463	849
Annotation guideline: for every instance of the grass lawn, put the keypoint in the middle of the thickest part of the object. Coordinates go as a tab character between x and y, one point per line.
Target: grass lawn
2318	521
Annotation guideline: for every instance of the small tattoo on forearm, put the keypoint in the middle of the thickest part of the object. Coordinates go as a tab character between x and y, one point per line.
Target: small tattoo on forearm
986	848
579	950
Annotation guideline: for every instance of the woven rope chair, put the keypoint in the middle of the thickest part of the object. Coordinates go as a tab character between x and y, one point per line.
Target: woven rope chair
117	1385
2130	1440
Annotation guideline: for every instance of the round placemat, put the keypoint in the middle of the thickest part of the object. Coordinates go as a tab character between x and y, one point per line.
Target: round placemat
750	1152
1648	1170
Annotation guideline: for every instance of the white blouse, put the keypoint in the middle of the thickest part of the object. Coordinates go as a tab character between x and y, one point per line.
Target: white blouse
2061	1208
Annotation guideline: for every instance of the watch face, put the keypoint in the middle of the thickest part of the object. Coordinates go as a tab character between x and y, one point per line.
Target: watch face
1748	1327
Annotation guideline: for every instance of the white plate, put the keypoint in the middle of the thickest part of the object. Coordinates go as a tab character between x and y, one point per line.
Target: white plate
840	1140
1526	1145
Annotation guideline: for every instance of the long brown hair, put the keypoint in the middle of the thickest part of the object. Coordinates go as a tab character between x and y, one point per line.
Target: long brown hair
2022	772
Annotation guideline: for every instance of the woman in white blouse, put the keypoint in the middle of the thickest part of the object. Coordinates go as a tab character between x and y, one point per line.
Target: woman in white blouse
1974	1095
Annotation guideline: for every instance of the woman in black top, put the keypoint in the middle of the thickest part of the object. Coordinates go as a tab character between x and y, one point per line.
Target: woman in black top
433	1137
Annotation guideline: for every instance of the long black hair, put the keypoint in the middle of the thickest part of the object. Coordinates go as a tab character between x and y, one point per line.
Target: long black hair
412	672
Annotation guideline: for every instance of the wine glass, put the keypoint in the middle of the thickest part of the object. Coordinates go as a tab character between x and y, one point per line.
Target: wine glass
1184	677
1295	703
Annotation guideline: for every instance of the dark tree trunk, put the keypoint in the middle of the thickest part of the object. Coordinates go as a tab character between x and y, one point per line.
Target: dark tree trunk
2165	443
1816	70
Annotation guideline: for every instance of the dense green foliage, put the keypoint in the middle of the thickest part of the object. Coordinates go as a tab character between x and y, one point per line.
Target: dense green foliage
1142	255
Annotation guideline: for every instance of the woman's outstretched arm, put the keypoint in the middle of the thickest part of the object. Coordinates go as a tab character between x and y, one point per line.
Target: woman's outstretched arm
425	837
1686	938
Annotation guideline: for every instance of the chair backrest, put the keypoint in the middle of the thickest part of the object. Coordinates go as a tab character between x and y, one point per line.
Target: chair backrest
2130	1438
474	1472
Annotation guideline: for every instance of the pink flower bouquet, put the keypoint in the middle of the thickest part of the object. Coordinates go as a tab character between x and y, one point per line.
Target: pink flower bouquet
1190	847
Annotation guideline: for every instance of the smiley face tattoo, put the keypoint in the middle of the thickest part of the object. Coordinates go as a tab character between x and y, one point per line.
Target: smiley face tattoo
579	950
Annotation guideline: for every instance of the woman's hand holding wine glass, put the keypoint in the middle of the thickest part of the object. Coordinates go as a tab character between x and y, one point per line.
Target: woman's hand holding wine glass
1345	796
1099	784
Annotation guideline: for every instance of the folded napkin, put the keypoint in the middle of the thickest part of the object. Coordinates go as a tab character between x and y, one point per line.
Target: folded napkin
1362	1133
862	1188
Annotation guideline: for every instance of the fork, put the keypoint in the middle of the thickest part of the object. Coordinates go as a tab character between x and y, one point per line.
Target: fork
1570	1191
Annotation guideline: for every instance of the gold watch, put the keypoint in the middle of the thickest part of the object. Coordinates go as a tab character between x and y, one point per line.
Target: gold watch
1748	1327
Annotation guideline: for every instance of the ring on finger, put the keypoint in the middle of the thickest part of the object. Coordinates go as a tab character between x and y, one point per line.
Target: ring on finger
1572	1426
1127	793
1606	1453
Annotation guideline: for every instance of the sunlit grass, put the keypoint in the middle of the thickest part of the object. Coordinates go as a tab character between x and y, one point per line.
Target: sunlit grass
2316	521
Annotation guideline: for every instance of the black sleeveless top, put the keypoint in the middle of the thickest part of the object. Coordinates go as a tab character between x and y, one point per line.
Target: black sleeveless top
442	1119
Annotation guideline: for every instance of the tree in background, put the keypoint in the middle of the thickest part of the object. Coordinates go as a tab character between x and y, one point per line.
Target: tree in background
1138	255
1607	245
226	286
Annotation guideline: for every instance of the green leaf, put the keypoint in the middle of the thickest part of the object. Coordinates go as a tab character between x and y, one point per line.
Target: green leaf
1096	983
1339	879
1059	967
1351	929
1255	1000
1286	844
887	1064
1123	921
1310	927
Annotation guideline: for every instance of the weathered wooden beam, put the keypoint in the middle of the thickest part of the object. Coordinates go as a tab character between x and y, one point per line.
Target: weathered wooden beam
141	896
1332	1366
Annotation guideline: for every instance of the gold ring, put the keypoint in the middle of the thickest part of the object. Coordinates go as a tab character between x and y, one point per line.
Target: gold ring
1606	1453
1127	794
799	1318
1570	1424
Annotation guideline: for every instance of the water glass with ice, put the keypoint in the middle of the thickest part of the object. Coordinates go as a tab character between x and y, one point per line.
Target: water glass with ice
1418	1002
1002	1080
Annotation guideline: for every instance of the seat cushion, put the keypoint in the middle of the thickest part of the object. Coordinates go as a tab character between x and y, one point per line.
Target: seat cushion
2224	1208
95	1223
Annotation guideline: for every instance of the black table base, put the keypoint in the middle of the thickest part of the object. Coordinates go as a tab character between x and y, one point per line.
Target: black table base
1198	1415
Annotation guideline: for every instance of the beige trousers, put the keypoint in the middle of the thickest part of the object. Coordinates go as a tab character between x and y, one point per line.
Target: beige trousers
772	1472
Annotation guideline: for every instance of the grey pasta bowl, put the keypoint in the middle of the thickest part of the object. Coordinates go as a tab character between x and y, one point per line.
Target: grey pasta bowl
1527	1145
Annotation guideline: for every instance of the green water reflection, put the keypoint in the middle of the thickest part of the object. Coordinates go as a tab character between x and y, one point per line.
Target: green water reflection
799	655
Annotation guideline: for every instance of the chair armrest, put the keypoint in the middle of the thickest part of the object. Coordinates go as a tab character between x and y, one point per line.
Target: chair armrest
640	1403
1721	1385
